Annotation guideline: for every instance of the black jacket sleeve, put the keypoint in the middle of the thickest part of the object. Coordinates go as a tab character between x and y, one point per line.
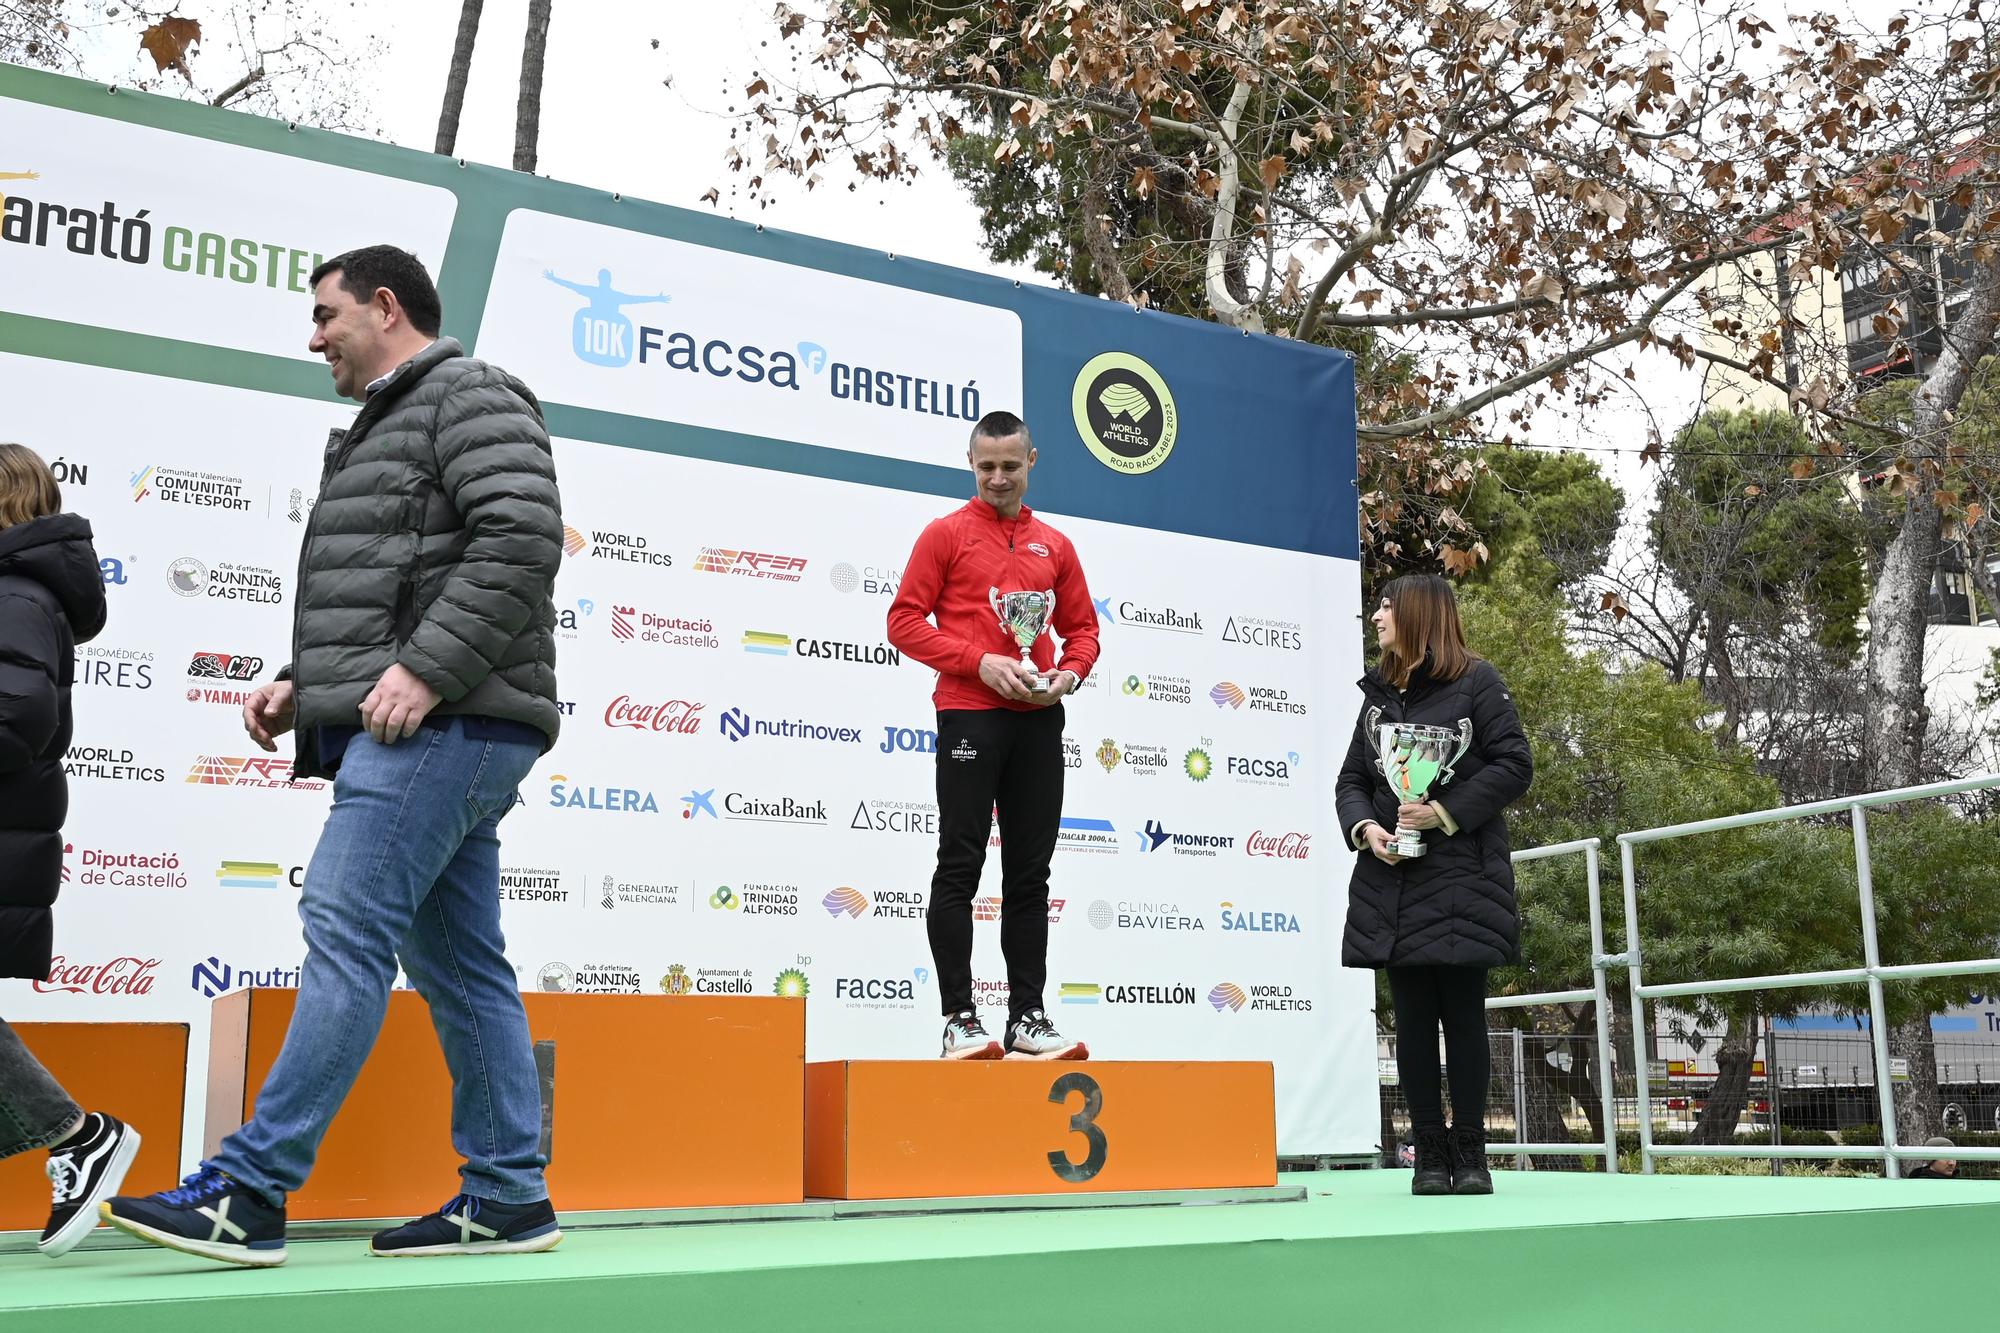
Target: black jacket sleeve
30	711
1354	789
1509	766
495	465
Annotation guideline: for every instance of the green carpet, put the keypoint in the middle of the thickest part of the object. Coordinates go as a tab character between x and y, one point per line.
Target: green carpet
1549	1251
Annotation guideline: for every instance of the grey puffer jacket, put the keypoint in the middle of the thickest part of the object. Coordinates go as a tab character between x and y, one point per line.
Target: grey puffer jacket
434	543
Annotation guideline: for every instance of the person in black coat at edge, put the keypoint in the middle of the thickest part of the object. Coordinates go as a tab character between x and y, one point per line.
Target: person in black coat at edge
51	598
1435	922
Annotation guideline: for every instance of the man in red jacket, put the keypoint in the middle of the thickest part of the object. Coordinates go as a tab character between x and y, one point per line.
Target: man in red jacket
999	739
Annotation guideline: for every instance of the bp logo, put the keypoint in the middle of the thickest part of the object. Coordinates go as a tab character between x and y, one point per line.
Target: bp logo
1124	413
1198	765
791	984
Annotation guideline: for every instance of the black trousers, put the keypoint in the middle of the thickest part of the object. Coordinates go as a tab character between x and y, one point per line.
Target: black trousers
1428	998
992	759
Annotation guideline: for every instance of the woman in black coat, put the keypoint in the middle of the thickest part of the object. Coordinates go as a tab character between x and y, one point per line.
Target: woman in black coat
51	597
1437	921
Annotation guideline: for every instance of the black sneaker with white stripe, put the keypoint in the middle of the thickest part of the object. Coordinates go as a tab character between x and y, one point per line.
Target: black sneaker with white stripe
84	1170
211	1215
467	1224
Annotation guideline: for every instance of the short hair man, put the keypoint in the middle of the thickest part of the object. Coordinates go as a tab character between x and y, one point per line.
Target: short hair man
423	683
999	739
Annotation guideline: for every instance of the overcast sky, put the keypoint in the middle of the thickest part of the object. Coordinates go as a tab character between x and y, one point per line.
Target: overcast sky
620	114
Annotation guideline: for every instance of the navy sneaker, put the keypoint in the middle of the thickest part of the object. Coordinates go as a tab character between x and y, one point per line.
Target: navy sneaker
468	1224
211	1215
84	1171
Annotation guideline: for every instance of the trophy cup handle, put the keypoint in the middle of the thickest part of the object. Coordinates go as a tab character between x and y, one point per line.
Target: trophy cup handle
1372	729
1464	744
993	599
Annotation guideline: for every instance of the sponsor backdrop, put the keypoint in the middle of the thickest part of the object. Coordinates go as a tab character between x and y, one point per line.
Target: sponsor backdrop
750	428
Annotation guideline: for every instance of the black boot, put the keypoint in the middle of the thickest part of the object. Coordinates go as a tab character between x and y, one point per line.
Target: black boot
1469	1174
1433	1174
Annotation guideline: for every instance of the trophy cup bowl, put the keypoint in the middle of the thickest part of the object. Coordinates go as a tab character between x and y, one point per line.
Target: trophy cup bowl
1416	758
1023	616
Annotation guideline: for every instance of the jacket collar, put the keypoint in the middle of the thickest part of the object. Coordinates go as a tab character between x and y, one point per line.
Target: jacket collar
992	515
400	380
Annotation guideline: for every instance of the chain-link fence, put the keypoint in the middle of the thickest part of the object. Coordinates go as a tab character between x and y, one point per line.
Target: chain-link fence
1543	1089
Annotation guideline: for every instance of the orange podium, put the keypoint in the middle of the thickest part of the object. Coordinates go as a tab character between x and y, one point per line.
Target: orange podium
135	1071
717	1082
926	1129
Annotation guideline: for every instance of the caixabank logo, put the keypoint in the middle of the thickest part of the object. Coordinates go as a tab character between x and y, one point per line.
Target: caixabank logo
1124	413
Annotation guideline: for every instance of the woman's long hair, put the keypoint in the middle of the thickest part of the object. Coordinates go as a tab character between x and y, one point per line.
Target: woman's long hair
27	488
1428	632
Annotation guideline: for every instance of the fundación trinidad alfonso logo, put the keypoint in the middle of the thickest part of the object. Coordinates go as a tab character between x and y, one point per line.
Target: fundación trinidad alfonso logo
1124	413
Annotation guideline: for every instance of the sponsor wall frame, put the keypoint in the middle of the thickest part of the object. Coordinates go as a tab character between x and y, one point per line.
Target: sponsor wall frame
750	429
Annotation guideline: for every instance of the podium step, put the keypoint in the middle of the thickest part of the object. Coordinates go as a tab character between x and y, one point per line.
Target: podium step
135	1071
918	1129
650	1101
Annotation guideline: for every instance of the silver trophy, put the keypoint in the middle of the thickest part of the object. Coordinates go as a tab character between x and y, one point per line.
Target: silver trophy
1023	617
1415	758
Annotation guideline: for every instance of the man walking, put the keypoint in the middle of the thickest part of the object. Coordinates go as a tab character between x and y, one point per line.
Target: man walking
999	738
422	682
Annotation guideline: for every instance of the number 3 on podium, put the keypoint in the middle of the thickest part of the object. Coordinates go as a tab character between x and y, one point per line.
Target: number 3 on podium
1084	1122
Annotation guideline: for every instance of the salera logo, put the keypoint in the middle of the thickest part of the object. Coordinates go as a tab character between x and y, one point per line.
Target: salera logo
1124	413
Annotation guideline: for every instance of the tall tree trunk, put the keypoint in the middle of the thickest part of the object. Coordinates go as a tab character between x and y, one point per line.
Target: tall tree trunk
528	112
1918	1103
1731	1092
461	70
1897	609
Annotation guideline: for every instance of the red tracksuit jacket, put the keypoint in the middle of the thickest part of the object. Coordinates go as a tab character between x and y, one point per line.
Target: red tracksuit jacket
957	560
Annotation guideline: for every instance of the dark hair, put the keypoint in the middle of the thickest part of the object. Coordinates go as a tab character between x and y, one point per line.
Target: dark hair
998	426
1428	632
371	267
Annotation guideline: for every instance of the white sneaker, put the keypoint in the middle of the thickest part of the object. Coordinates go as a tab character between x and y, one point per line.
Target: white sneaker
966	1038
1033	1037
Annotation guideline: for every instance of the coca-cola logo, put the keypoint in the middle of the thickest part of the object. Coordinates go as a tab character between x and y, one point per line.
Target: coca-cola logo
681	715
120	976
1289	846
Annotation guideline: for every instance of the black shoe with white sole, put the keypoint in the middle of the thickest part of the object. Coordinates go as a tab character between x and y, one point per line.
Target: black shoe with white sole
84	1170
468	1224
211	1215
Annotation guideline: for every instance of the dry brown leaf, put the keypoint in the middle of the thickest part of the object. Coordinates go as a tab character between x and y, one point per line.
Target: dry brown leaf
168	43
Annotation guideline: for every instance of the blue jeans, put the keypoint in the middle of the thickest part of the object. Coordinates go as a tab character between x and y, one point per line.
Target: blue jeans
408	866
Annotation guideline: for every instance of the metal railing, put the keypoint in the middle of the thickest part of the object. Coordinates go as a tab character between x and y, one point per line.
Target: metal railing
1599	994
1872	972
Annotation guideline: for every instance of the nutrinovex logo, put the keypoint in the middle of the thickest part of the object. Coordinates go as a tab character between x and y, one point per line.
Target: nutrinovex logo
1124	413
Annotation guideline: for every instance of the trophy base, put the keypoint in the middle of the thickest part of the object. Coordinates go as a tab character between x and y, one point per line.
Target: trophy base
1038	686
1407	845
